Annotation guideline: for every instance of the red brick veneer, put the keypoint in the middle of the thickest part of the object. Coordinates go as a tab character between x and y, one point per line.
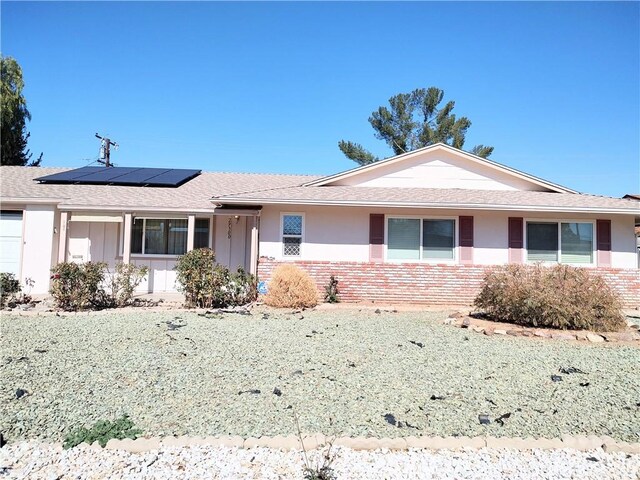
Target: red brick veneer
425	283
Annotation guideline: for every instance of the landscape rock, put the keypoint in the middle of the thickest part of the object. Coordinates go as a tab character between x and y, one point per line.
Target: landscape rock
563	336
541	334
594	338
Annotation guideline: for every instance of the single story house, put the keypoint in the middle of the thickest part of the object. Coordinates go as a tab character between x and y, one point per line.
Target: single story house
419	227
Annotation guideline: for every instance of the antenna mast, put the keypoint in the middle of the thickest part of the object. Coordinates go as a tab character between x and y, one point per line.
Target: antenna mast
105	150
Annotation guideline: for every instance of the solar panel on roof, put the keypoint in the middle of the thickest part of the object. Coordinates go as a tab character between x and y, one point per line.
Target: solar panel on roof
107	175
129	176
144	175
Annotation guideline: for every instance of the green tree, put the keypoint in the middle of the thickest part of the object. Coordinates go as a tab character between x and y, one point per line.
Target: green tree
14	115
414	120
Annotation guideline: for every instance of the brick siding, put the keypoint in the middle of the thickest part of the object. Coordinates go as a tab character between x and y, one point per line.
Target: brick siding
425	283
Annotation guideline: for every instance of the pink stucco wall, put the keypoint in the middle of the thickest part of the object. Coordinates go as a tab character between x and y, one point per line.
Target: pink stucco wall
342	233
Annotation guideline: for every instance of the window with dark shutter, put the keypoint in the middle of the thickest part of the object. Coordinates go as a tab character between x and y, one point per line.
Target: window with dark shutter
376	237
603	228
516	232
466	231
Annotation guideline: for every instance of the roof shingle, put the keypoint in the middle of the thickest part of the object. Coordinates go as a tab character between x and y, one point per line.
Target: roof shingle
203	192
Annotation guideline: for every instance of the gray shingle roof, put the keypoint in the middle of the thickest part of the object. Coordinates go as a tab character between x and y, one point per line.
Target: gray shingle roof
436	197
201	193
18	183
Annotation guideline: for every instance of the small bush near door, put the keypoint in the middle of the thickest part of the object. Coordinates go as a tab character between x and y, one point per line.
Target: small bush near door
82	286
554	297
9	287
78	286
206	284
291	287
123	283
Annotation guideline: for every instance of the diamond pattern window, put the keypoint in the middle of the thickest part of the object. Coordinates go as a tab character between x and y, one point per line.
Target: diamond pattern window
292	227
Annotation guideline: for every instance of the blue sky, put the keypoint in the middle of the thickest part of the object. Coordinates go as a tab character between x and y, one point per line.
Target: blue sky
272	87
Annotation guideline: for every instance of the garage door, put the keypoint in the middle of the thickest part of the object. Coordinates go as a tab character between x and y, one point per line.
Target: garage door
10	241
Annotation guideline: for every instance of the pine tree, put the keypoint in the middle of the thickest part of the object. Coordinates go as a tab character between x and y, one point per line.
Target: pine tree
414	120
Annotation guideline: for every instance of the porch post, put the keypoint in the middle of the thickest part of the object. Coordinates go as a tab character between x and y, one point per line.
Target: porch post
62	239
253	265
191	232
126	250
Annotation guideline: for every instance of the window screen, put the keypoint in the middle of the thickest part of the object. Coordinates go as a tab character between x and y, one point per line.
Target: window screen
576	245
437	239
403	239
542	242
201	235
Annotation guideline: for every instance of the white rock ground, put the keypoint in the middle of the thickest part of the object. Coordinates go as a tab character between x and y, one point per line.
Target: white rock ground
44	461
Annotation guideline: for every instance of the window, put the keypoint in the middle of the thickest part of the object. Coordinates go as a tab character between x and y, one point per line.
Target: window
291	235
565	242
201	235
420	239
159	236
576	242
542	242
437	239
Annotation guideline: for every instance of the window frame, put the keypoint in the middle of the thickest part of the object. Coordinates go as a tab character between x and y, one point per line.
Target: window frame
559	222
155	217
282	235
422	218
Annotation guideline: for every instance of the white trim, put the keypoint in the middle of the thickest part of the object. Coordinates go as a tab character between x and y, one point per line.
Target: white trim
449	206
447	261
32	200
558	222
281	234
134	208
442	146
83	217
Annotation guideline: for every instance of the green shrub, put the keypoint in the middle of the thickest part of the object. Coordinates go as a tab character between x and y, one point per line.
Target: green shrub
331	291
123	283
102	431
206	284
195	275
241	288
79	286
9	287
550	297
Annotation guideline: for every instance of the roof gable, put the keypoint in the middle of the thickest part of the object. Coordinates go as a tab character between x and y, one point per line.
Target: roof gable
439	166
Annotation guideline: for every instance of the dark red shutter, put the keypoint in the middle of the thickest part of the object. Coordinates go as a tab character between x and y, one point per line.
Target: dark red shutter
466	231
376	237
603	232
516	234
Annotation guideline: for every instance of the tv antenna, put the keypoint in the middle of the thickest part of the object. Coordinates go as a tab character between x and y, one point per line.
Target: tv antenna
105	150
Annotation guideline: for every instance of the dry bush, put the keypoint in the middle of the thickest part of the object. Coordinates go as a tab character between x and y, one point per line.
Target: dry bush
551	297
291	287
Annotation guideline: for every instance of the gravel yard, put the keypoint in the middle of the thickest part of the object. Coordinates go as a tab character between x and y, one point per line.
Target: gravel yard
344	372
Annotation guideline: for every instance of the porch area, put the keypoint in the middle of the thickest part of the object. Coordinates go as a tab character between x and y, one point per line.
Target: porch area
157	239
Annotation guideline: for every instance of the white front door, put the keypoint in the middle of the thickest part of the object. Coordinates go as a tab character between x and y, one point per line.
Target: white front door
10	242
